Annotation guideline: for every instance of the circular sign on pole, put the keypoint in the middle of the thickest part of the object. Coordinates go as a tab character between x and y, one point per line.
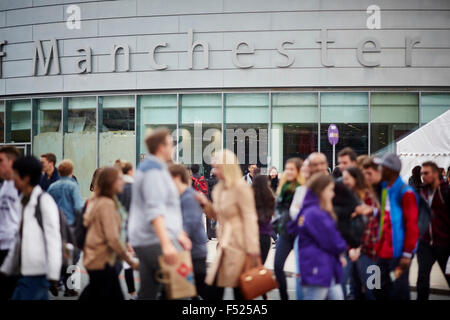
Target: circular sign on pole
333	134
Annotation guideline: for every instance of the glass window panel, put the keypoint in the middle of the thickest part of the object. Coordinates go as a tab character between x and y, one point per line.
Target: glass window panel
205	108
117	136
350	112
433	105
393	116
2	121
246	108
47	128
246	126
344	107
156	111
80	139
294	127
201	129
18	121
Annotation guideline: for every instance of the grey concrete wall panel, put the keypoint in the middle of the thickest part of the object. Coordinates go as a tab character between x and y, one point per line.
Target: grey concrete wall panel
15	69
180	79
2	87
34	15
105	9
179	42
37	3
60	31
100	81
15	4
335	77
141	25
164	7
2	19
34	85
16	34
18	51
98	45
289	5
226	22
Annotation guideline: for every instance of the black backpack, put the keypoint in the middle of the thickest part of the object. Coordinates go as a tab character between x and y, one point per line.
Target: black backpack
66	233
80	230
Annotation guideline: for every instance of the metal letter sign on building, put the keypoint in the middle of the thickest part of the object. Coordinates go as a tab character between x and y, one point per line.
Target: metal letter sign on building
178	44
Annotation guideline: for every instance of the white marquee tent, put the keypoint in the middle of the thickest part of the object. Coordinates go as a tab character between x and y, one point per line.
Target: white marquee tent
429	142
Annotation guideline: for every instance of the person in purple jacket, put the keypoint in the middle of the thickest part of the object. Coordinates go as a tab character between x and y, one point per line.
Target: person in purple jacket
321	247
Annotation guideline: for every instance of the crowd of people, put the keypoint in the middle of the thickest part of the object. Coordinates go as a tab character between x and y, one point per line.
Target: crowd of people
341	225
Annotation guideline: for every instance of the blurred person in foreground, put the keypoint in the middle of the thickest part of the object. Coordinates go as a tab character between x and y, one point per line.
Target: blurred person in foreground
234	208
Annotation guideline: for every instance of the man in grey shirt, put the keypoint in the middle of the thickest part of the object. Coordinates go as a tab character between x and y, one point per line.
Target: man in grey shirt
155	225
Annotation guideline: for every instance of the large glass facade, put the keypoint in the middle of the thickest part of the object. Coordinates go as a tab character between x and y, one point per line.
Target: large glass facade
47	127
201	129
246	128
350	112
433	105
2	121
392	116
18	121
294	126
117	137
156	111
95	131
80	143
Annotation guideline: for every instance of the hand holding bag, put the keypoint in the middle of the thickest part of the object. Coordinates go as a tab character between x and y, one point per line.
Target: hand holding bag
255	282
178	278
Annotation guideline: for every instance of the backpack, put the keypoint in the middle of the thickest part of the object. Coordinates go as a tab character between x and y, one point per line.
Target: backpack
424	212
80	230
199	184
66	233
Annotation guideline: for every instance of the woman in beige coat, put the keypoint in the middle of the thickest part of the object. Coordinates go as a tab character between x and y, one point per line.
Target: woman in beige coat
233	207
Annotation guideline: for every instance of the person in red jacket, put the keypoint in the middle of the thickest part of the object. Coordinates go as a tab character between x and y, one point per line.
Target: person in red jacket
398	231
434	245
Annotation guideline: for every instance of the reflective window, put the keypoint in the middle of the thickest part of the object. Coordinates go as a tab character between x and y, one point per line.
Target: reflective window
18	121
433	105
246	125
350	112
294	126
2	121
201	129
393	115
156	111
47	128
80	139
117	138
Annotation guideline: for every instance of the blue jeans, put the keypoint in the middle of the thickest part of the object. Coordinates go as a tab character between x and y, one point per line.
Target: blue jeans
31	288
362	264
284	247
334	292
298	283
347	279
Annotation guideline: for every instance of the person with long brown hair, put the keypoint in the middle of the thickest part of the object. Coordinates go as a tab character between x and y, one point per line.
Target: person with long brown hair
233	206
364	255
291	179
321	247
103	246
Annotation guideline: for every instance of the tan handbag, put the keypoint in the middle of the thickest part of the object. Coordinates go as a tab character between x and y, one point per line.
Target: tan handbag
255	282
178	278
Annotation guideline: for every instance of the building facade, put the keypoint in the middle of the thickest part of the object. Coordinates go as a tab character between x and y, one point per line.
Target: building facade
86	79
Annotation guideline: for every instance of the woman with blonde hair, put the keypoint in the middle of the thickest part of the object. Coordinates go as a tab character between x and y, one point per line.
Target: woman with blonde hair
234	208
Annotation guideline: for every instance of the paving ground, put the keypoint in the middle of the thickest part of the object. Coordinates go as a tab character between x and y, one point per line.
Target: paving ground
437	279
